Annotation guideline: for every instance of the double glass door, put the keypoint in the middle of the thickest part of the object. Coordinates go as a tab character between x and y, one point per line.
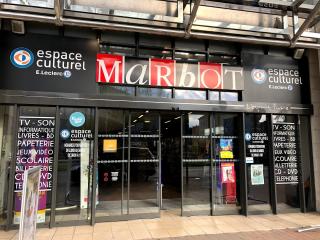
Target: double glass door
180	161
128	163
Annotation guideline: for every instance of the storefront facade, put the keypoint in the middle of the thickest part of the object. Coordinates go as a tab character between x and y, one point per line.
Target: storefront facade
126	127
238	146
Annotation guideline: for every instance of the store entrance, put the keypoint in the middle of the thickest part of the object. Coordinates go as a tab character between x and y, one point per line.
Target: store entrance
171	162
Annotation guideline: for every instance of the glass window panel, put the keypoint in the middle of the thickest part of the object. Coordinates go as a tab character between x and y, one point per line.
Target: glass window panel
229	96
33	3
190	94
118	50
196	124
171	160
228	60
214	95
144	162
74	177
196	163
117	90
112	163
7	123
35	147
286	159
154	92
155	53
226	164
190	57
258	162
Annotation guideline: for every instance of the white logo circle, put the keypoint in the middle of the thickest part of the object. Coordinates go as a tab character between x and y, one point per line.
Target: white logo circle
65	133
67	74
248	136
259	76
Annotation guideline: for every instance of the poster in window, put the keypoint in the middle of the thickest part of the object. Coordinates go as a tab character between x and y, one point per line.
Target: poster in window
226	148
227	173
110	145
257	177
29	205
35	147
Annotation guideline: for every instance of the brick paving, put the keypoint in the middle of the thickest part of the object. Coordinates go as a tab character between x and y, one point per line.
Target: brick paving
286	234
231	227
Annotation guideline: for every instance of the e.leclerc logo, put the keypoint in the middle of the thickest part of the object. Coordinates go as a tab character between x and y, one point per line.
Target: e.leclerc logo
259	76
77	119
21	57
65	133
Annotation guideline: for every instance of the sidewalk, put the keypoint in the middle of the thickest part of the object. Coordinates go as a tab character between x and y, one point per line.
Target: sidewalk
258	227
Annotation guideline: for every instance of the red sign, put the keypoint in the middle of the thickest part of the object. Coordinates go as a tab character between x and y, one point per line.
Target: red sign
228	181
210	75
109	68
116	69
162	72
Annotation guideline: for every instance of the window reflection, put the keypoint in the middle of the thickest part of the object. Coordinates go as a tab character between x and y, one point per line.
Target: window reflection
117	90
118	50
154	92
34	3
226	165
196	163
229	96
214	95
74	177
190	94
190	57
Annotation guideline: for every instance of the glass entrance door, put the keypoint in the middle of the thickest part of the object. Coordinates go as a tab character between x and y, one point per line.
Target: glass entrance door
226	163
171	162
128	163
196	163
144	162
112	177
257	128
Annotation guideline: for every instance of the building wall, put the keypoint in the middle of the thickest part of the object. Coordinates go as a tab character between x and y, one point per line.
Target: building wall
315	118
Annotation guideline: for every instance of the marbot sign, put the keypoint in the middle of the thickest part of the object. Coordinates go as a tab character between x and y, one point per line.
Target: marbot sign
116	69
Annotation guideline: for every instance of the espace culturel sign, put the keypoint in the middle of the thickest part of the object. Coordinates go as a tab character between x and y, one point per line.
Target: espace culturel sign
116	69
36	62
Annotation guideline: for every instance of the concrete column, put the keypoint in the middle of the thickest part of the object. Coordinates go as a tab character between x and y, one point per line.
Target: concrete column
314	76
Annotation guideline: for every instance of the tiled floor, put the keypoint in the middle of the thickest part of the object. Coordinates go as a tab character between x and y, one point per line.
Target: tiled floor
171	226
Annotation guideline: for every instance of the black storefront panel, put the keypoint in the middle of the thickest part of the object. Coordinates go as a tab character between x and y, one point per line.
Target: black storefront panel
48	63
276	79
